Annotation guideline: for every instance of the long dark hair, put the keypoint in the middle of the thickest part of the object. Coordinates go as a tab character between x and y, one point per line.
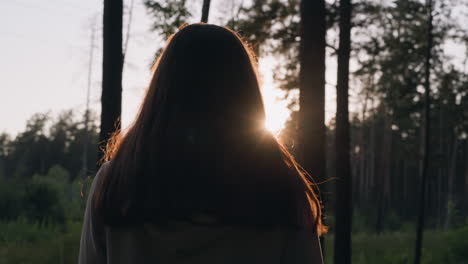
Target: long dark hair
198	145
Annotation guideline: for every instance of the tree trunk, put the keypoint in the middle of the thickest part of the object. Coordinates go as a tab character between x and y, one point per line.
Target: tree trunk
384	173
343	214
312	88
205	11
450	185
362	150
466	176
372	152
405	183
425	163
112	62
440	171
388	164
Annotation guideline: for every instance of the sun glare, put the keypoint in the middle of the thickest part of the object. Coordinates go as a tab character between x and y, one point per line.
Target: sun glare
277	112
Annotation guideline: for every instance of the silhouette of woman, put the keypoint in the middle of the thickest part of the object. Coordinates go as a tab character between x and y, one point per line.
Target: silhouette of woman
196	178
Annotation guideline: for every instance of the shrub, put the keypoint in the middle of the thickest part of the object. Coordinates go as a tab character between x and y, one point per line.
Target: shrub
41	203
11	199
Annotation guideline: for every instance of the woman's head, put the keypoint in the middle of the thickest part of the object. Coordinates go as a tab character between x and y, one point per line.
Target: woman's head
206	76
198	143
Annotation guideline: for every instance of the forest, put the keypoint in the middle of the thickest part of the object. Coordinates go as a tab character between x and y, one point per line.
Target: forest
391	164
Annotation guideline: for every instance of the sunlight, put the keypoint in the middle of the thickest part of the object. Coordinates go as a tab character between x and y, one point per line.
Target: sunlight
275	120
276	112
276	108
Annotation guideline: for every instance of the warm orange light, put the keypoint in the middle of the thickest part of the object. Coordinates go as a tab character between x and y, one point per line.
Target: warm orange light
277	112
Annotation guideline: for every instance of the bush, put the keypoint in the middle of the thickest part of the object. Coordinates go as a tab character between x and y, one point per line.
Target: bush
41	198
42	203
69	193
11	199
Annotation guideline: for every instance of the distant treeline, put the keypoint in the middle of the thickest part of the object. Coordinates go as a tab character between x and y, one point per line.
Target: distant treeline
46	142
42	169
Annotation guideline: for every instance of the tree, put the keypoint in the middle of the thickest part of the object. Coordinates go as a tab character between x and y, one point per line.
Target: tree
427	128
343	205
4	149
112	63
205	11
312	87
391	52
29	148
168	15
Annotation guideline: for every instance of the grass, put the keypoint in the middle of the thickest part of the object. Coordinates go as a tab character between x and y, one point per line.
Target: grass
25	243
22	243
398	247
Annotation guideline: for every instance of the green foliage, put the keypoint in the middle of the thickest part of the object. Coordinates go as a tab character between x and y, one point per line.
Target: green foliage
22	230
37	244
272	28
45	199
168	15
458	244
41	202
46	142
41	170
11	199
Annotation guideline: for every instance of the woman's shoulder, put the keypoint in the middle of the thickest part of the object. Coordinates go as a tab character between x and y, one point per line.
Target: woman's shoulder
104	166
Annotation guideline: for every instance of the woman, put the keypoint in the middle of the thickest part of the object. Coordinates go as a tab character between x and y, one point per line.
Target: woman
196	179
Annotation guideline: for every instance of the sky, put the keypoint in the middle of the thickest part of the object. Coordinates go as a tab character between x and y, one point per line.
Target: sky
45	46
44	51
45	56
